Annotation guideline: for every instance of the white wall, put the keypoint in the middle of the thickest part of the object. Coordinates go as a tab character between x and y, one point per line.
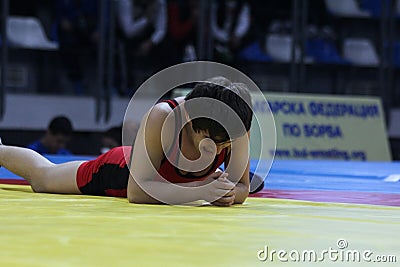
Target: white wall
34	112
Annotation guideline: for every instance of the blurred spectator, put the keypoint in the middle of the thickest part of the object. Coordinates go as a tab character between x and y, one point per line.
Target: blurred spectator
230	24
77	34
142	27
55	139
112	137
182	28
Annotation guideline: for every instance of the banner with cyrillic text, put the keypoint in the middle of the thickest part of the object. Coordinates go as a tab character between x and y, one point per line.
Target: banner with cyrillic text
325	127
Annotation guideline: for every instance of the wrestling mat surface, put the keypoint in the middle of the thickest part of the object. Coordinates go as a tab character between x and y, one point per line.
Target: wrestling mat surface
66	230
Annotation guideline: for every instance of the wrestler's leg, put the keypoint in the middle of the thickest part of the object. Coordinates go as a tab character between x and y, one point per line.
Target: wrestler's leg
43	175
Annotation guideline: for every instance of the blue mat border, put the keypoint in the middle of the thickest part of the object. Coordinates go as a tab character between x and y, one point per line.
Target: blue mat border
305	174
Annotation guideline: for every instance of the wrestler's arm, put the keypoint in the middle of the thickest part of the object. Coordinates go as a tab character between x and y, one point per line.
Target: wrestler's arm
146	159
237	165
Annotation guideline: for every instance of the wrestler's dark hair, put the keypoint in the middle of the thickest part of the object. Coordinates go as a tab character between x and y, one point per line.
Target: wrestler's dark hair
235	95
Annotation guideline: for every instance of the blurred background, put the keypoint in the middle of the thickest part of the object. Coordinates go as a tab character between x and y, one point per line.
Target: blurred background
84	59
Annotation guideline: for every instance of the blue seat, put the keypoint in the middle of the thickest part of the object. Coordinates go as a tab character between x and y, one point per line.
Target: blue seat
360	51
28	33
255	53
322	50
346	8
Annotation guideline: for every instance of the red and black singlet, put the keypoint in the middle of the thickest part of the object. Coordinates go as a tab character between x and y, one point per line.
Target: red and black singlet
171	173
108	174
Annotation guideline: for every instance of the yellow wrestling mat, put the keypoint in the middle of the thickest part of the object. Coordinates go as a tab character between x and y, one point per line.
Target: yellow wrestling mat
63	230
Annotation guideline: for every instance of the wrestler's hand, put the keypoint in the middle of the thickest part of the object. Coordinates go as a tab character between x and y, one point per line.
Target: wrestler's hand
228	199
219	190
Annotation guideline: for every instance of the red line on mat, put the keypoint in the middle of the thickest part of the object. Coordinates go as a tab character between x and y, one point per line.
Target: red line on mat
14	181
371	198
